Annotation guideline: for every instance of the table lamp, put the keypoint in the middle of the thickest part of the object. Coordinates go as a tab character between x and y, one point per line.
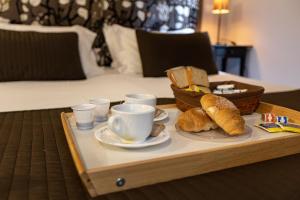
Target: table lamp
220	8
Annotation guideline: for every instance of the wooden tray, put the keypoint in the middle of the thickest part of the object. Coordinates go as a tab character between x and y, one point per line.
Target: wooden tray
104	169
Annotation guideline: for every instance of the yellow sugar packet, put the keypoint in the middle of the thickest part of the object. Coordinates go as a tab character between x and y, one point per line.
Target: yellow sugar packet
290	127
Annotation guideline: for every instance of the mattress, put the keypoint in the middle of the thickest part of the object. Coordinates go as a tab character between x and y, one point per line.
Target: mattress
17	96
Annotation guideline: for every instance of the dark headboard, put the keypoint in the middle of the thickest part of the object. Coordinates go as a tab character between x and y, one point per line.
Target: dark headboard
145	14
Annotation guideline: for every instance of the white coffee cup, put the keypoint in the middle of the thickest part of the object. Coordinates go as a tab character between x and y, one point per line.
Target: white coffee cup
132	122
146	99
102	108
84	116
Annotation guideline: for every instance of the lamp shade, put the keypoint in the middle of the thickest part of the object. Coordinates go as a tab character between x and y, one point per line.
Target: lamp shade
221	7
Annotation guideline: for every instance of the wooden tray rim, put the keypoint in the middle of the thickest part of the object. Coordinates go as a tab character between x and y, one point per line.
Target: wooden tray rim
75	155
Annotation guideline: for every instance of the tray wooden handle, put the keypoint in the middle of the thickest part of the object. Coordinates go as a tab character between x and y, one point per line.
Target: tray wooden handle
76	156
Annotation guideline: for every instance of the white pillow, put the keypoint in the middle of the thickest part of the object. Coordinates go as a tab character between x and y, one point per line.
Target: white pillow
123	46
85	40
112	41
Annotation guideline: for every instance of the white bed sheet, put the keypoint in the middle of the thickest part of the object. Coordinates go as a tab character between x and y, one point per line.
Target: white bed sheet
16	96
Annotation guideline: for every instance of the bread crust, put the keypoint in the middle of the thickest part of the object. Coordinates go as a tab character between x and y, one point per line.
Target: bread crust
224	113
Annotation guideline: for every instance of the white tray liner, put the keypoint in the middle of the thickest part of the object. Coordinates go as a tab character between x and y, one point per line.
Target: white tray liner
95	155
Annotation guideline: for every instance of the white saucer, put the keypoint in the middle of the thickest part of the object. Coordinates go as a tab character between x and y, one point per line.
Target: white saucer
162	116
106	136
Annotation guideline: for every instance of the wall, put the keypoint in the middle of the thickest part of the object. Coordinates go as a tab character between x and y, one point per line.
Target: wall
272	27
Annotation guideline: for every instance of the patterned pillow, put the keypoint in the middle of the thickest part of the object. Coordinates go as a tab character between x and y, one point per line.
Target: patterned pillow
159	15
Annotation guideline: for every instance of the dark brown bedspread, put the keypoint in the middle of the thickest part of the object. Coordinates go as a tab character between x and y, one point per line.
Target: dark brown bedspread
35	163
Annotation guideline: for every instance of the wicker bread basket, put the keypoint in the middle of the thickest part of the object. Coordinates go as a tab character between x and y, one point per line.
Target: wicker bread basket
246	102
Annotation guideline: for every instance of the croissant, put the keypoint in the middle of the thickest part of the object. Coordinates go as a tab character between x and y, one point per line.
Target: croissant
224	113
195	120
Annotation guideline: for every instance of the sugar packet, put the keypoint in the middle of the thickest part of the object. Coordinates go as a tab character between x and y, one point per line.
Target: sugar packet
270	127
290	127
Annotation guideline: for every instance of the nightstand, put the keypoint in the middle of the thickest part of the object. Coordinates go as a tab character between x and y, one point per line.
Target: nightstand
224	52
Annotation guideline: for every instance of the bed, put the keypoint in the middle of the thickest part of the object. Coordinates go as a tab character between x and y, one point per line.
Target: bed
164	16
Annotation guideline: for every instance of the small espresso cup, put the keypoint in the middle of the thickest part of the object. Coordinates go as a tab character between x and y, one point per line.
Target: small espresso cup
146	99
84	116
132	122
102	108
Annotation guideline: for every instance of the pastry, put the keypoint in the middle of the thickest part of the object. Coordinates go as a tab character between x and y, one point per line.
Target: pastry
224	113
195	120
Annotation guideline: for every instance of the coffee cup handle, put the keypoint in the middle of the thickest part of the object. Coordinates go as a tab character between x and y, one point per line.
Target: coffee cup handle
115	124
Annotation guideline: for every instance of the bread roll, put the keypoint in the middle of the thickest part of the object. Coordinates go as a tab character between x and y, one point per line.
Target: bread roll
178	76
197	76
224	113
195	120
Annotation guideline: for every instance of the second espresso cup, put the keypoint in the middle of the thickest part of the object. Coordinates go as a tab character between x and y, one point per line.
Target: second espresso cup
84	116
102	108
146	99
132	122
